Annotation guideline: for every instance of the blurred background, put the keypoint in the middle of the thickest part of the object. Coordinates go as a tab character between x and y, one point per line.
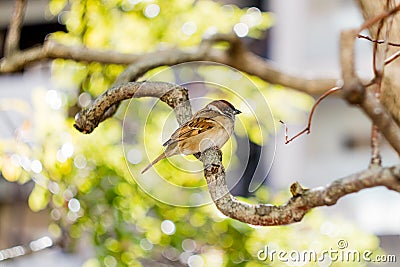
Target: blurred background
71	200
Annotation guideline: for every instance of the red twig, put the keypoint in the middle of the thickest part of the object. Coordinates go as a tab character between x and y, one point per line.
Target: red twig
372	82
377	69
361	36
308	128
377	18
392	58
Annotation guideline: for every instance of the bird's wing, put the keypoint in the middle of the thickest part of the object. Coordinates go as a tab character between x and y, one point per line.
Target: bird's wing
191	128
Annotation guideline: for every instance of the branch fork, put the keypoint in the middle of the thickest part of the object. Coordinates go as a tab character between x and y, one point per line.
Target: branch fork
260	214
302	199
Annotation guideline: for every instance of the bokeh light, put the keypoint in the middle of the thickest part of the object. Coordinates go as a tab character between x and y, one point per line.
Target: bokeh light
152	10
241	29
168	227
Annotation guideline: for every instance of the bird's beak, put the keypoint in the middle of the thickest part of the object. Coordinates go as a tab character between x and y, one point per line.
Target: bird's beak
236	112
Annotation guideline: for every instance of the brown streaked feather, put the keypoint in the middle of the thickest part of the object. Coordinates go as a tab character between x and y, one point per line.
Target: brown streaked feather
191	128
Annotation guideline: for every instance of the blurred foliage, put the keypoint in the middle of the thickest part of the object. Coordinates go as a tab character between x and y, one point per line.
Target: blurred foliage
84	181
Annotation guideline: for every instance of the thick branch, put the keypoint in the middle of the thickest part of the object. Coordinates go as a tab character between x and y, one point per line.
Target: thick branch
160	58
297	206
260	214
390	87
52	49
88	119
239	58
382	119
236	56
14	31
377	41
353	89
252	64
355	93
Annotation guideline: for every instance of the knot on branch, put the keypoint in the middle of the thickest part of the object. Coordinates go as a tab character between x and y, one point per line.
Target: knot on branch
212	156
354	92
212	160
175	96
211	169
264	209
296	189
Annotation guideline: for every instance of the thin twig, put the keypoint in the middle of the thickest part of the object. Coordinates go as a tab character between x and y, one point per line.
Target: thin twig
361	36
392	58
308	128
14	31
377	18
378	72
371	82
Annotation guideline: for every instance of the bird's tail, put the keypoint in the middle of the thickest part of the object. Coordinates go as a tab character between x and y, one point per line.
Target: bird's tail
162	156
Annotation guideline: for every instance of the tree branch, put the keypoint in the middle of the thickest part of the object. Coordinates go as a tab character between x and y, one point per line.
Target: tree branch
353	90
177	97
390	90
260	214
52	49
304	200
14	31
174	95
307	130
361	36
266	70
392	58
355	93
382	119
239	58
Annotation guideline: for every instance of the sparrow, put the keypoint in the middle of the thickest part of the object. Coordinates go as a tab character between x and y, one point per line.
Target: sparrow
209	127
